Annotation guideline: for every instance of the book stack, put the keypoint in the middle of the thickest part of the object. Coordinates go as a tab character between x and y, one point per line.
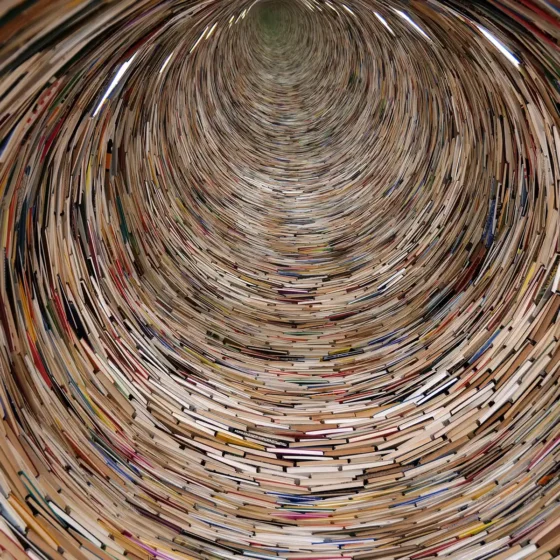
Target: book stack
279	279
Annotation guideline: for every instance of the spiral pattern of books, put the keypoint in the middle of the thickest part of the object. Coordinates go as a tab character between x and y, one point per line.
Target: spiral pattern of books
280	279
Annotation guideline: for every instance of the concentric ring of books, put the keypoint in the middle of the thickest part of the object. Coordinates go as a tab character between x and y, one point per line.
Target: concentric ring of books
280	279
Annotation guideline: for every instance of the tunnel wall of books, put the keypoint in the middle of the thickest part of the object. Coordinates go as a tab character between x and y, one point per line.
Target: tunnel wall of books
280	279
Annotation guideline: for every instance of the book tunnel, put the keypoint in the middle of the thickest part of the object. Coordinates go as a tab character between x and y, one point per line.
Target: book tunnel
280	279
